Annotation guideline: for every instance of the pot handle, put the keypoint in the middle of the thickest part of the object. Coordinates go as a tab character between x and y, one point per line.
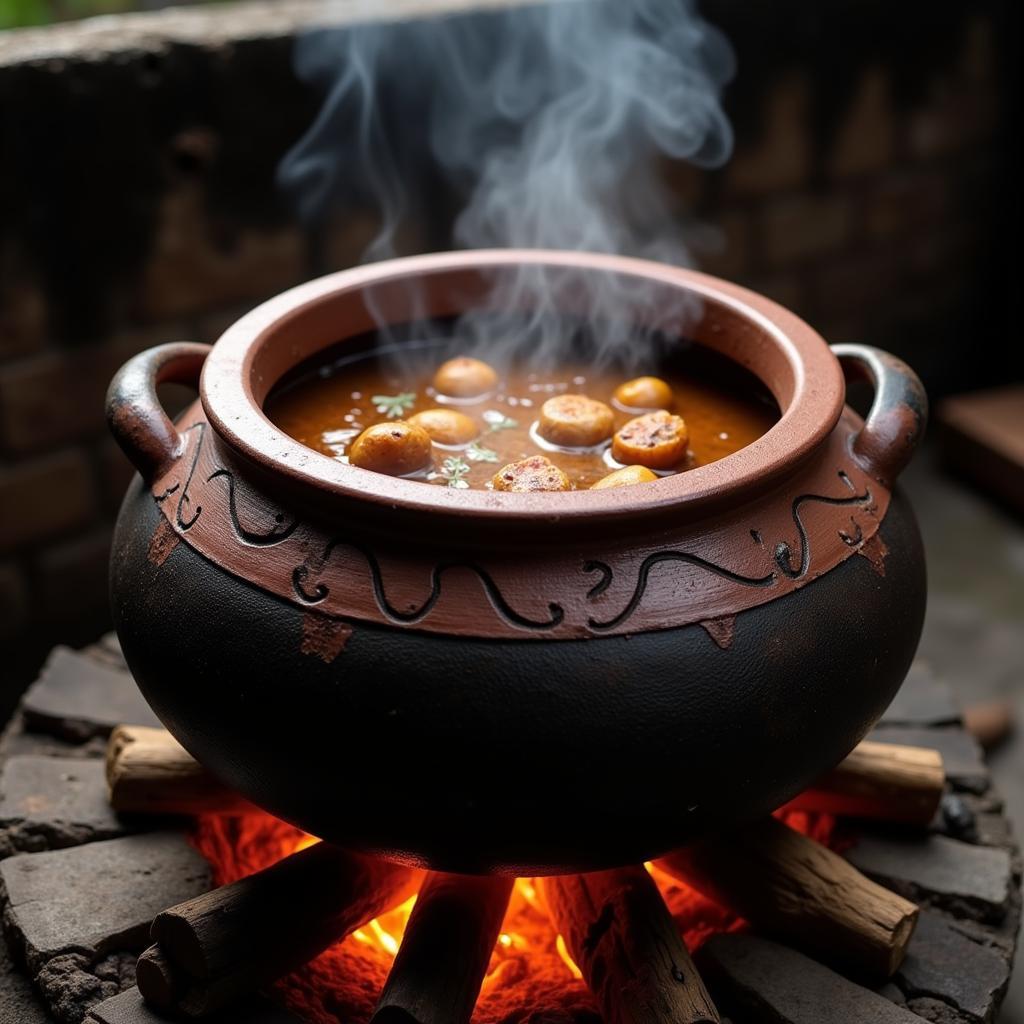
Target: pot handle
896	421
136	418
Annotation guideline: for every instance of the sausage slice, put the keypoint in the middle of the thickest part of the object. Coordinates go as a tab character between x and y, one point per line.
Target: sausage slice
656	440
535	473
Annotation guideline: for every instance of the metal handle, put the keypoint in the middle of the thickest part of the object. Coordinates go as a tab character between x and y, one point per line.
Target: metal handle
136	418
896	421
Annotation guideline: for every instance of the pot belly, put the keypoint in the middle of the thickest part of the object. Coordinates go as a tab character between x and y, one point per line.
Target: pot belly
499	755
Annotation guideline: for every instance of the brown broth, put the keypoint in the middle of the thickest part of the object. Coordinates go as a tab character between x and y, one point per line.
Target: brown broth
326	405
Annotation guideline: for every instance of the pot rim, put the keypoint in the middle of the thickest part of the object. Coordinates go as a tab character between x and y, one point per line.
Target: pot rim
232	380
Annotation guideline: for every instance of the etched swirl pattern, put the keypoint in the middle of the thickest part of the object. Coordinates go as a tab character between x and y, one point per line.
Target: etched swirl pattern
311	579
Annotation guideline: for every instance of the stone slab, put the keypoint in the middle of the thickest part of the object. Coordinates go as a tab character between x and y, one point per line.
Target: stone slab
962	758
110	642
922	700
893	993
17	739
994	830
18	1003
107	651
759	980
1001	936
942	963
77	698
969	880
936	1011
100	897
128	1008
47	803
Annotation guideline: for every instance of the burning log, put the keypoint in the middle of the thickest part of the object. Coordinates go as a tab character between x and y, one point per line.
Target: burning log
618	930
787	884
226	943
880	781
440	966
149	772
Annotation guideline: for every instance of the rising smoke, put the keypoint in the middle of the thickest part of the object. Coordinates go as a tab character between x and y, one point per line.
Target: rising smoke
549	124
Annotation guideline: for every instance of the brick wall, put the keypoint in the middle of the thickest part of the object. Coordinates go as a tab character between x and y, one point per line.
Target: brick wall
868	189
138	205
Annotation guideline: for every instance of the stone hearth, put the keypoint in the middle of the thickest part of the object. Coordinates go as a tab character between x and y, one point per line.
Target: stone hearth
79	885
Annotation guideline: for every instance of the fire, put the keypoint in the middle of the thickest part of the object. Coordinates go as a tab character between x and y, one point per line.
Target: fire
531	970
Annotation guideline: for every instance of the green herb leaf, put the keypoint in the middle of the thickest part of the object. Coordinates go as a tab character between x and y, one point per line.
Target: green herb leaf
478	453
394	405
497	420
453	469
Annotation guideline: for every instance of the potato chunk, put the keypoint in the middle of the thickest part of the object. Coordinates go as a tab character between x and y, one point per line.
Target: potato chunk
464	377
656	440
625	477
644	393
535	473
575	421
397	448
446	426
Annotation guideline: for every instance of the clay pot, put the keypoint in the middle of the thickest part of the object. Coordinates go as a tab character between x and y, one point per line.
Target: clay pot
520	683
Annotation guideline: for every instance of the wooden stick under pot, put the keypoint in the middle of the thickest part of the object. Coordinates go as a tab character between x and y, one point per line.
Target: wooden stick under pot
786	884
215	948
619	932
448	941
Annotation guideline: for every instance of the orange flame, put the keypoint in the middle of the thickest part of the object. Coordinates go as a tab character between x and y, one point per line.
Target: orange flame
531	971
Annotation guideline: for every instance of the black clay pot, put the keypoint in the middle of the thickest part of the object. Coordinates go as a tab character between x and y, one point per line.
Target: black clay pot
536	684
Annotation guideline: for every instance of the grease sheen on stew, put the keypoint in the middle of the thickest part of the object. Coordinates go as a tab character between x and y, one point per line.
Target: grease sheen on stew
326	403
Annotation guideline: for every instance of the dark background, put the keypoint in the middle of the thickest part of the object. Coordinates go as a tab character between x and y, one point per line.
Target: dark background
873	190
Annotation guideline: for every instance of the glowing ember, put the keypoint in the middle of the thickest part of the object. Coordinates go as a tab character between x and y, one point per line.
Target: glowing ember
530	970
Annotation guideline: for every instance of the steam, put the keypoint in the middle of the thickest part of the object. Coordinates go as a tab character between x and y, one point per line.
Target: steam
544	126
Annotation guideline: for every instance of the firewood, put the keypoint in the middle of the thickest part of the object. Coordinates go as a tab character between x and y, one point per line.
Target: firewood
168	989
160	984
622	937
235	939
196	999
149	772
786	884
440	966
882	782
